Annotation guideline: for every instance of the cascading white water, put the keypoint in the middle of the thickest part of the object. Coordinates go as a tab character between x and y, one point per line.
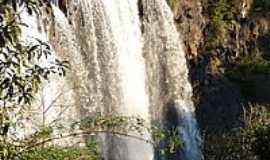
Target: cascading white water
170	90
125	27
126	66
126	35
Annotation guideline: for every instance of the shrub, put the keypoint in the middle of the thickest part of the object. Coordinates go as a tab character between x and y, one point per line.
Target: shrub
251	74
261	143
250	66
221	14
246	143
63	153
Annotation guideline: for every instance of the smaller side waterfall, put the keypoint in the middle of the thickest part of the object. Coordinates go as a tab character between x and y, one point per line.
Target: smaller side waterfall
169	87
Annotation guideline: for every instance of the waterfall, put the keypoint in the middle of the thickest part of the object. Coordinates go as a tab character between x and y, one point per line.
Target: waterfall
170	90
126	58
126	35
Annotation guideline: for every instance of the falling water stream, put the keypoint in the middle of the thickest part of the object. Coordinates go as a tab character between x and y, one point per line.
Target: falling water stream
126	58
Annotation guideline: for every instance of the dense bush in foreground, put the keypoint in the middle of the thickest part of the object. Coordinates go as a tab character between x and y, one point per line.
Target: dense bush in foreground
59	153
251	142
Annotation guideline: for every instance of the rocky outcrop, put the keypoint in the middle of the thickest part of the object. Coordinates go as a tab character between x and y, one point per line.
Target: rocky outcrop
190	21
219	41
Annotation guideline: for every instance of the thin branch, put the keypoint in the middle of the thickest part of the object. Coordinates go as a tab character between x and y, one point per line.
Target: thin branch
28	148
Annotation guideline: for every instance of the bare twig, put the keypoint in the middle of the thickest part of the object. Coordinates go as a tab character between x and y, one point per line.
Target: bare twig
92	132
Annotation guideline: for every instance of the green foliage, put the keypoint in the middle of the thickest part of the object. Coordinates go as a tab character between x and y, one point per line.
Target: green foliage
131	127
21	73
248	142
249	74
7	149
88	152
173	3
127	126
261	143
250	66
221	14
63	153
168	142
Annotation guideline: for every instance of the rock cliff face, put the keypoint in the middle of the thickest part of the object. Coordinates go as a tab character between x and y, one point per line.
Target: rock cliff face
224	41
